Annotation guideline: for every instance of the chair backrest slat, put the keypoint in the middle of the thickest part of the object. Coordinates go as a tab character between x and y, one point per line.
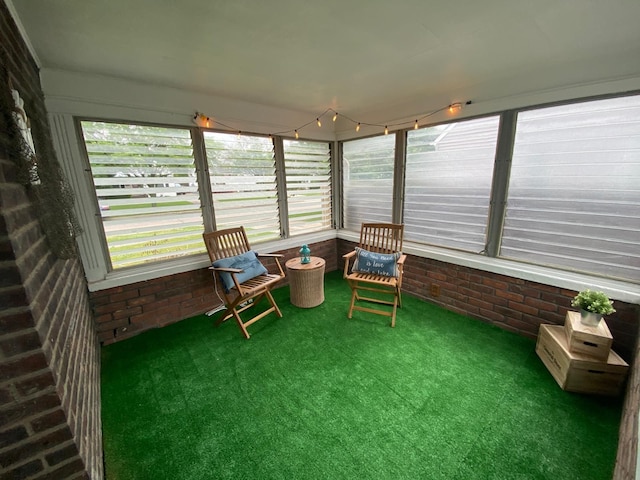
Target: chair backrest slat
381	237
226	243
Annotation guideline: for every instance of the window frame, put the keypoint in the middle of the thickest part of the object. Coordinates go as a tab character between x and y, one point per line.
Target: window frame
93	245
558	266
396	178
70	149
407	172
488	258
325	197
96	176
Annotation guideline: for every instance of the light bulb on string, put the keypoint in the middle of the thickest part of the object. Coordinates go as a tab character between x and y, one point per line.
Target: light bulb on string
203	121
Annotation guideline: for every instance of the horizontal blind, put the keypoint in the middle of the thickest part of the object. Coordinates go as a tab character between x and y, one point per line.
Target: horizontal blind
448	183
145	183
368	180
308	175
242	170
574	192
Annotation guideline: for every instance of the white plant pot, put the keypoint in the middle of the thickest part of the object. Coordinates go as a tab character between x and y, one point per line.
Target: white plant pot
589	318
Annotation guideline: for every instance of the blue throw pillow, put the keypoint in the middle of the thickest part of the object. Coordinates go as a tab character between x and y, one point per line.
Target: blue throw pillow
248	262
385	264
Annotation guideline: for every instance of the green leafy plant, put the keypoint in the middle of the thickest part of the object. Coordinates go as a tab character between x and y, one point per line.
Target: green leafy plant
592	301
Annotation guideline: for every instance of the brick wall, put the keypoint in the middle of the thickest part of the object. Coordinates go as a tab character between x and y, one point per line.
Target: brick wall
122	312
627	457
49	355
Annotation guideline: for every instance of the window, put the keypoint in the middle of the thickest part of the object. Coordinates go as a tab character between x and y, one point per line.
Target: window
368	180
308	171
145	184
448	183
242	171
575	188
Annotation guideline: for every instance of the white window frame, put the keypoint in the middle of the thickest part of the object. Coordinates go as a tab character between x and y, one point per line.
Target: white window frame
157	177
309	202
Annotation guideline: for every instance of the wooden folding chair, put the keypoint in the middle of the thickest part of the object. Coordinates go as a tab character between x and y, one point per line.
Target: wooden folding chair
378	266
245	279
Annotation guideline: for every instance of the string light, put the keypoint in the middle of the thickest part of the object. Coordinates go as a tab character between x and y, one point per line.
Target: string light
455	107
204	121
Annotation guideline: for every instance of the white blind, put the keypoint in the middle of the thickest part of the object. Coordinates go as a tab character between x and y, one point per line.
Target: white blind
146	188
574	192
243	181
308	174
368	180
448	183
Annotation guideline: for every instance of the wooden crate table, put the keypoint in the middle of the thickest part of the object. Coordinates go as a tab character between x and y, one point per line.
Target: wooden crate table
577	372
593	341
306	282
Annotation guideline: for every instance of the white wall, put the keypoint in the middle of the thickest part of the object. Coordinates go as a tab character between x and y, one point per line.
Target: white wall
112	98
482	106
117	99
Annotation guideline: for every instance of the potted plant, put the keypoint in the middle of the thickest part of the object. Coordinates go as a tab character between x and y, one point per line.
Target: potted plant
593	305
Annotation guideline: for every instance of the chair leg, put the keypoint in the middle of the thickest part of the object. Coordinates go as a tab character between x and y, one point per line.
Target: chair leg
232	311
354	293
393	316
273	303
241	324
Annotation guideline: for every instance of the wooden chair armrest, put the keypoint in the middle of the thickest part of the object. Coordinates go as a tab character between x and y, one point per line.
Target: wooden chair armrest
402	259
272	255
347	258
276	257
226	269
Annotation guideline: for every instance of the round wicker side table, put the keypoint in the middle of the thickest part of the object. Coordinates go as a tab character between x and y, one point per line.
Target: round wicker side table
306	282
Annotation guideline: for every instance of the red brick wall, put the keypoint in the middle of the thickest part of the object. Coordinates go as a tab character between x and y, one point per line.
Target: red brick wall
49	354
122	312
627	457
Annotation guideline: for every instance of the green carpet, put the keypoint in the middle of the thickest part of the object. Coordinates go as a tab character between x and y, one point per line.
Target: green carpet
314	395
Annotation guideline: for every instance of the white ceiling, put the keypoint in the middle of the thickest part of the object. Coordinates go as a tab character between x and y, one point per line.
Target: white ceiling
370	59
